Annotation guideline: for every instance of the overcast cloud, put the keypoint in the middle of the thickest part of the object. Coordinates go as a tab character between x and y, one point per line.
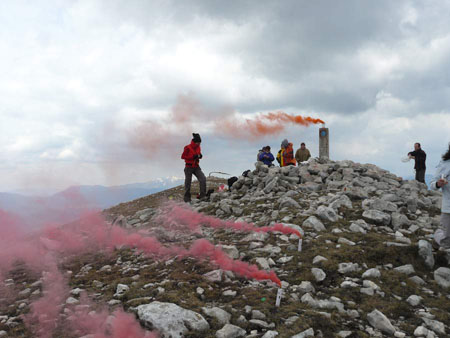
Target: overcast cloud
84	82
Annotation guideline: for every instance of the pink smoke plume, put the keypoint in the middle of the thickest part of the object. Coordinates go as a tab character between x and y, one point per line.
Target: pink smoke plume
176	213
44	312
44	250
264	124
203	248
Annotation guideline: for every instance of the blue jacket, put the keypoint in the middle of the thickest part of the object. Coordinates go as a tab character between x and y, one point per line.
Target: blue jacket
266	158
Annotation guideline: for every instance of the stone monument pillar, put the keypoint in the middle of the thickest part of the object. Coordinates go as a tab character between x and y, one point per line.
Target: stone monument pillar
324	143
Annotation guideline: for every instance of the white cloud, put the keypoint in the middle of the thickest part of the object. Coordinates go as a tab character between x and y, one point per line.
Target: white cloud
78	75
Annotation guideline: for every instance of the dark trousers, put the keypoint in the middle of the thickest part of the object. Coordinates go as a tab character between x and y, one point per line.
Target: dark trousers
188	172
420	175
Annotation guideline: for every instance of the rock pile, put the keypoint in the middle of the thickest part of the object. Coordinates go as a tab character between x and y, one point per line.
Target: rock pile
367	268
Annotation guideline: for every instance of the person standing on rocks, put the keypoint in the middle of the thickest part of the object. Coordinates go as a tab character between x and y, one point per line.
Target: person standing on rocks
302	154
191	155
419	157
440	181
286	154
266	156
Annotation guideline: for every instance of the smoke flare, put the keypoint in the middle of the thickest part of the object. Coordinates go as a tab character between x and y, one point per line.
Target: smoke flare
264	124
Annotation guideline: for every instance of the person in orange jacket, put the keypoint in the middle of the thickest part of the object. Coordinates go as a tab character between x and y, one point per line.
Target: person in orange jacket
286	154
191	155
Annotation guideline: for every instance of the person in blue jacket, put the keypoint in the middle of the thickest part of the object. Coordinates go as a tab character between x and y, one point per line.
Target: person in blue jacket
266	156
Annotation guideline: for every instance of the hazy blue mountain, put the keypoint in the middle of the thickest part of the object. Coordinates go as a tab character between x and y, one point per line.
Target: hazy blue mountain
69	204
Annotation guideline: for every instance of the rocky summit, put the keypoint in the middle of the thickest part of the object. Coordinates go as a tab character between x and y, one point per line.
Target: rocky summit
366	268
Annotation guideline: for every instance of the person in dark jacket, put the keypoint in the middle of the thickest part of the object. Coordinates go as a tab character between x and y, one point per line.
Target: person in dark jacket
191	155
419	157
266	156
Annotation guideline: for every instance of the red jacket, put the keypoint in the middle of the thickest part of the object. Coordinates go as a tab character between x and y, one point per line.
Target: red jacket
188	155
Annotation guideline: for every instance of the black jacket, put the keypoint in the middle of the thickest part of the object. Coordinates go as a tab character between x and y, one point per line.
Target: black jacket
420	158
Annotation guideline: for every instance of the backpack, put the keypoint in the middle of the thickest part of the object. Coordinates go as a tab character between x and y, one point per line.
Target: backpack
279	156
231	181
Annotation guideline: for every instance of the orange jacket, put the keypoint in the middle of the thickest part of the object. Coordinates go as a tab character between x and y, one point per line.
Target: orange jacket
288	156
189	152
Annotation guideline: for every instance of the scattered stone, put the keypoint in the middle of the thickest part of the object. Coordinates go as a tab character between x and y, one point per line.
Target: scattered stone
315	223
319	259
379	321
346	268
345	241
171	320
72	301
319	274
256	314
426	253
270	334
214	276
435	325
414	300
377	217
442	277
229	293
372	273
306	333
121	290
327	214
421	331
220	315
407	269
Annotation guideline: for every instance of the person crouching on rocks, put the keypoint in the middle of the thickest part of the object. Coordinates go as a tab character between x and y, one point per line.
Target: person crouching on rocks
286	154
266	156
440	181
191	155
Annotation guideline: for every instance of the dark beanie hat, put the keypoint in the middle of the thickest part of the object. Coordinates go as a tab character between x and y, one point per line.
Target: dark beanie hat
196	138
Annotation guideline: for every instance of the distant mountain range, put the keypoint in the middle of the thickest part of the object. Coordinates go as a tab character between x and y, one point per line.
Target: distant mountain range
71	203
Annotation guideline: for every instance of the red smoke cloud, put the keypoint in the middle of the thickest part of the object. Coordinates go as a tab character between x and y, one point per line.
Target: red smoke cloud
262	125
203	248
44	250
155	137
44	312
178	214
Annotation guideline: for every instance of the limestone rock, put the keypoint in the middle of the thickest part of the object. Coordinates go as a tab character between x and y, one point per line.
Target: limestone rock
377	217
426	253
327	213
170	319
442	277
319	274
230	331
379	321
220	315
315	223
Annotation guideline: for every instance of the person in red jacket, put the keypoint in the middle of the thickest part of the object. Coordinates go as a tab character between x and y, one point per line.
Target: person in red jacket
191	155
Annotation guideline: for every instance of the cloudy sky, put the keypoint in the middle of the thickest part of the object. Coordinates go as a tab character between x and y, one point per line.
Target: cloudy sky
109	92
